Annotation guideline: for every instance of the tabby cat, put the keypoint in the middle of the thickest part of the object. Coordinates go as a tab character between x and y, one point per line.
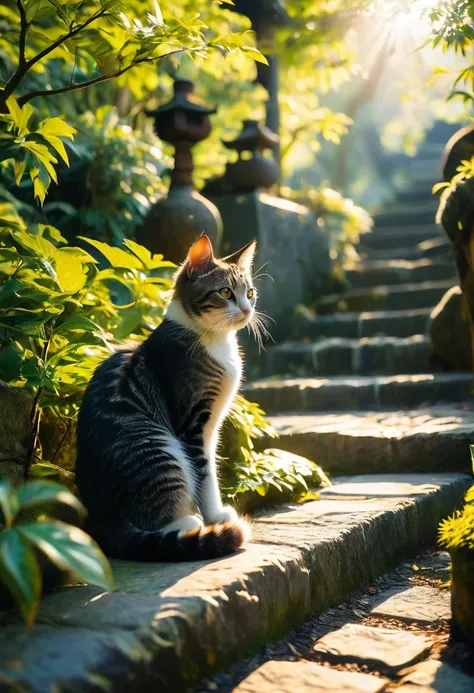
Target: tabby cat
149	422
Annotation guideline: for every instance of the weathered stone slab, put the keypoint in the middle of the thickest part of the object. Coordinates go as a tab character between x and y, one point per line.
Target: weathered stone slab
398	323
278	395
307	677
434	676
387	650
430	439
337	356
399	272
402	296
172	624
420	604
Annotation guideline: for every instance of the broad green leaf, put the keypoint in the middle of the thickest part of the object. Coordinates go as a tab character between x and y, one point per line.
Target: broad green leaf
19	170
10	363
70	271
38	493
117	257
130	319
71	550
41	470
77	322
20	572
57	127
8	502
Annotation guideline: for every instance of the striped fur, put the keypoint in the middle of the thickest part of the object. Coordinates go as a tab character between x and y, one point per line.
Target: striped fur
149	422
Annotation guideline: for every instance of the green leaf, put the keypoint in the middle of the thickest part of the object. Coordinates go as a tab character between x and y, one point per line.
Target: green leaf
20	116
255	54
77	322
10	363
70	549
56	127
130	318
20	572
70	271
38	493
42	470
438	187
8	502
19	170
117	257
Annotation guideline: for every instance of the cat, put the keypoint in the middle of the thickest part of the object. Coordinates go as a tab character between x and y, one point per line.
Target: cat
149	422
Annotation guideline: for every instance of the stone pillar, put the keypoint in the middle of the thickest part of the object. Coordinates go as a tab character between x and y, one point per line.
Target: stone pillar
291	247
174	223
266	16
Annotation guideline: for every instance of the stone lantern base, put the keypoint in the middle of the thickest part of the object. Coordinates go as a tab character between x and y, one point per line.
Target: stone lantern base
174	223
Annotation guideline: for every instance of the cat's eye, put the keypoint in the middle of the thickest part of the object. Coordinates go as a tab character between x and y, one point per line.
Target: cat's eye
225	292
250	293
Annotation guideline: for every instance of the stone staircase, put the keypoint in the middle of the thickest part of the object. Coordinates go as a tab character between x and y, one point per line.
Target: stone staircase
355	390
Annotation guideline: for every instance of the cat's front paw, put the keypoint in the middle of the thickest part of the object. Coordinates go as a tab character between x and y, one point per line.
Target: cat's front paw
227	514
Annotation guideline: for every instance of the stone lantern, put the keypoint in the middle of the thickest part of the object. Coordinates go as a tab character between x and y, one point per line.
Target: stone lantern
252	172
256	171
174	223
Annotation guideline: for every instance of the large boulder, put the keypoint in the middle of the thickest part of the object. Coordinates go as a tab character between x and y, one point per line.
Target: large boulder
15	432
450	332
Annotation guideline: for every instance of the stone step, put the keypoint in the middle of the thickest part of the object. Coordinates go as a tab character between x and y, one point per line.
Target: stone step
415	193
434	248
393	323
358	393
398	237
337	356
387	272
166	626
407	214
383	298
435	439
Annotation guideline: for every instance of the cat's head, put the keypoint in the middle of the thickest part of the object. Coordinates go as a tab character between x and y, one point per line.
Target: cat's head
217	295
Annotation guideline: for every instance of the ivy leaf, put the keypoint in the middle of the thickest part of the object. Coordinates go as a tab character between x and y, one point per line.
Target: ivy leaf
20	572
70	549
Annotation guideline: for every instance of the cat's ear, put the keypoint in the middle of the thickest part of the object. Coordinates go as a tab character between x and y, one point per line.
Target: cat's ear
244	257
200	255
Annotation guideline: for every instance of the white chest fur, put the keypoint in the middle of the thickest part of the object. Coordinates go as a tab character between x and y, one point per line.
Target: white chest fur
226	353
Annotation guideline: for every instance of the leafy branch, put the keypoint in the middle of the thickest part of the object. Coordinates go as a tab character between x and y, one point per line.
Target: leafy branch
102	78
25	65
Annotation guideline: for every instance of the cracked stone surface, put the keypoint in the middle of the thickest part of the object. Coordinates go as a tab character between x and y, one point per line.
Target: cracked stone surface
420	604
387	649
306	677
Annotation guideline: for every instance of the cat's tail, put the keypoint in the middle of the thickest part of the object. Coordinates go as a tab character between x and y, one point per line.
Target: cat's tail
198	544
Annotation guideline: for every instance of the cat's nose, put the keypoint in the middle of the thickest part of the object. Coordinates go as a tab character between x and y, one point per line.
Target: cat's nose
245	311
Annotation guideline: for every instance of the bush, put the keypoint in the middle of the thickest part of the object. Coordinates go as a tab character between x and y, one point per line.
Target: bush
253	479
61	314
344	221
26	531
457	532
